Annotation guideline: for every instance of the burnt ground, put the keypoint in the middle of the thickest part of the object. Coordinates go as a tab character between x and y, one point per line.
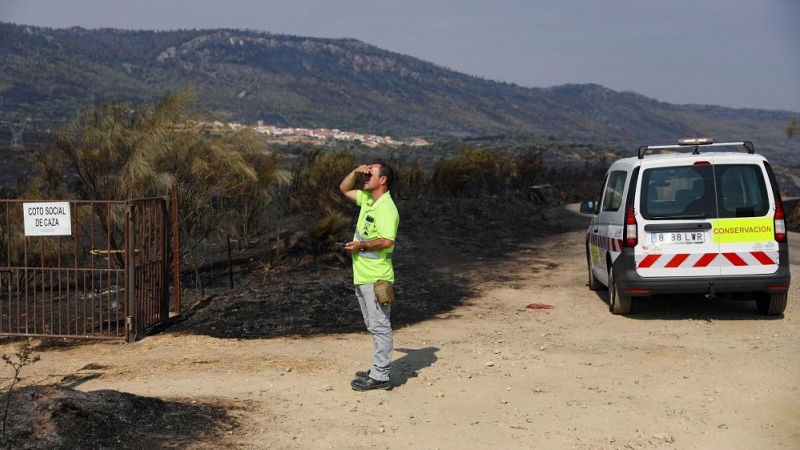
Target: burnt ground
308	294
57	417
302	293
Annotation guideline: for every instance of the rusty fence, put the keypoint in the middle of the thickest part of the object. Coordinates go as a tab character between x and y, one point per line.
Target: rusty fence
105	277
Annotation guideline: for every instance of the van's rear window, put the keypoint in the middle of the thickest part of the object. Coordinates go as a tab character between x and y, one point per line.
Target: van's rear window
703	192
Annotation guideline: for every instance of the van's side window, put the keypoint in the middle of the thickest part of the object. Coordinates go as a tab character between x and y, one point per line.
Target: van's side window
600	195
612	198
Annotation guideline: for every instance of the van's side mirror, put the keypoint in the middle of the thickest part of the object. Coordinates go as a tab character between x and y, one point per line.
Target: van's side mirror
588	207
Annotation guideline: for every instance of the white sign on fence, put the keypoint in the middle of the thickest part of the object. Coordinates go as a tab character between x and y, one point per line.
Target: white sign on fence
47	219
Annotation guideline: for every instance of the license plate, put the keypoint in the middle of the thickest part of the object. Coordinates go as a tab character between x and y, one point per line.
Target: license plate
695	237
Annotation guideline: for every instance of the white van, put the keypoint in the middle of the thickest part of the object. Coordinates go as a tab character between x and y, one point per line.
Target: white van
689	221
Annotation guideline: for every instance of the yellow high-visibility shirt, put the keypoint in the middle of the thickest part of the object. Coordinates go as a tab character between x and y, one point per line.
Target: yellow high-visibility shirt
376	220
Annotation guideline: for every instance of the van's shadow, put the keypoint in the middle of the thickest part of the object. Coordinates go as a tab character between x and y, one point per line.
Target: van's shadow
696	307
409	365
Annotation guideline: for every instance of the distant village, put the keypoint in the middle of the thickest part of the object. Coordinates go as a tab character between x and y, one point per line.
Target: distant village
322	134
286	134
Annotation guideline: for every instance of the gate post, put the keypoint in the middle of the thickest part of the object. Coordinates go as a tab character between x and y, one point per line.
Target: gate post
163	304
176	264
130	275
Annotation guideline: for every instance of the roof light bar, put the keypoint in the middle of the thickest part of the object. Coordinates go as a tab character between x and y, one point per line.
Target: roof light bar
696	142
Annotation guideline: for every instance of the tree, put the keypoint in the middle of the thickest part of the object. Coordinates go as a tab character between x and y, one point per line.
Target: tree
248	204
315	179
116	151
792	128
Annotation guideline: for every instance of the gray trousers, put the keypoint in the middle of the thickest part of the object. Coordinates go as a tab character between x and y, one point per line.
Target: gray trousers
376	318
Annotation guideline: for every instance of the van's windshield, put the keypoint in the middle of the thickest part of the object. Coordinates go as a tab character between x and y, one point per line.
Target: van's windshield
703	192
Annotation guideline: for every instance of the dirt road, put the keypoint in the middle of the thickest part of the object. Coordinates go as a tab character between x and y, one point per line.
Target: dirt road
683	373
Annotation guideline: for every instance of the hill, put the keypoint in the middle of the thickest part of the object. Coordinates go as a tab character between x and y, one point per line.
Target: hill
47	74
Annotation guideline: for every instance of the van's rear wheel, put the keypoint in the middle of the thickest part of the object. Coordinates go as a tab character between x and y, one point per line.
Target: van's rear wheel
594	283
618	303
772	304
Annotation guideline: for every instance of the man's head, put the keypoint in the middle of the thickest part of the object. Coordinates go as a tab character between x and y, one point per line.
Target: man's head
380	177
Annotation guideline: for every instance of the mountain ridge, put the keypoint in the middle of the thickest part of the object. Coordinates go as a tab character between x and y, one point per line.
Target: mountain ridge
247	75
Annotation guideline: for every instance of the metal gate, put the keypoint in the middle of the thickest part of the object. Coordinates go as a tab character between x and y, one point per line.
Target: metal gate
106	278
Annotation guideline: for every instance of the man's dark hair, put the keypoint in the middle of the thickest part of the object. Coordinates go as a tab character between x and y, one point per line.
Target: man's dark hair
386	171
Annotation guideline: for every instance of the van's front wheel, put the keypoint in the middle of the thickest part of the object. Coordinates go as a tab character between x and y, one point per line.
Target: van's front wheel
772	304
618	303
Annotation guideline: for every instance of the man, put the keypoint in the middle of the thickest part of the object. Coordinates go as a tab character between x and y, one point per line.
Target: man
371	248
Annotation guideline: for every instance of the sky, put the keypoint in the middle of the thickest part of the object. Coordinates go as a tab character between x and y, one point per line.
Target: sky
734	53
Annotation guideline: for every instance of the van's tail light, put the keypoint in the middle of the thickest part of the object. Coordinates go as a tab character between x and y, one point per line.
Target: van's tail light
780	222
631	233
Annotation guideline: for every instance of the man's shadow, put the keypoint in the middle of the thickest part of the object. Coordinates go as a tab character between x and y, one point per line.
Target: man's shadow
408	366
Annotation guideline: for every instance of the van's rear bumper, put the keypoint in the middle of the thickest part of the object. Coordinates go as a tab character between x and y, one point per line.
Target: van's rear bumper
630	283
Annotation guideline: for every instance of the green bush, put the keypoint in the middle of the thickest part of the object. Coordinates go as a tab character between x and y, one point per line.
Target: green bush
474	173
